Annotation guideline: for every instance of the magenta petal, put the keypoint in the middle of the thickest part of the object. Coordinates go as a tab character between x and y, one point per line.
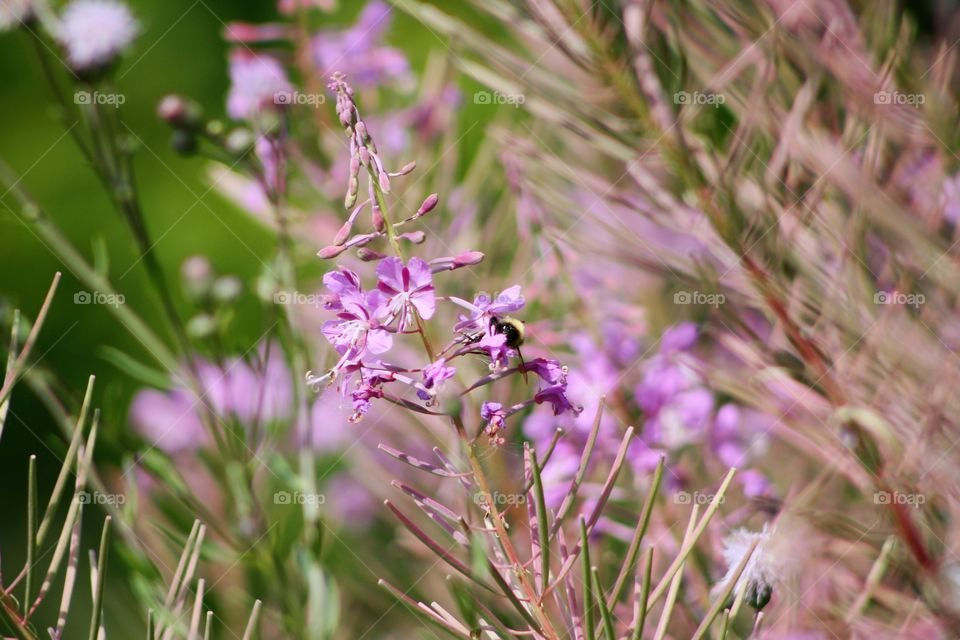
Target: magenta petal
426	303
420	274
507	301
379	341
340	282
390	273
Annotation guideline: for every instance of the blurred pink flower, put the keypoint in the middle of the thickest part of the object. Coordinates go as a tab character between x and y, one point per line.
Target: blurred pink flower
168	421
95	32
255	80
248	393
359	53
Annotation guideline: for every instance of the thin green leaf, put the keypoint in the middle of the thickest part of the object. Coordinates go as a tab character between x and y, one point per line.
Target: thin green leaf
100	579
605	618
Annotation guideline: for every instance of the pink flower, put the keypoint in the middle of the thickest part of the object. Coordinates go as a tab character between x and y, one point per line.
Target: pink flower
169	421
357	330
359	53
367	390
405	286
95	32
434	375
255	80
495	417
548	369
495	345
556	395
340	282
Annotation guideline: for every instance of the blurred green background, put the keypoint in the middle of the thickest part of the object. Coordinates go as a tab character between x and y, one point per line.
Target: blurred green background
179	50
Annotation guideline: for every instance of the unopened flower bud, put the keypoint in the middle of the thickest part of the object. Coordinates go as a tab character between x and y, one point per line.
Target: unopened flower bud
428	205
416	237
405	169
361	239
379	222
369	255
344	233
468	258
352	187
180	112
384	181
449	263
328	253
361	128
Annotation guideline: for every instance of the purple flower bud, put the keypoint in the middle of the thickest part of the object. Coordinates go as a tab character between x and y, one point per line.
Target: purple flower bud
361	239
353	186
369	255
379	222
180	112
428	205
361	129
468	258
330	252
344	232
405	169
416	237
384	181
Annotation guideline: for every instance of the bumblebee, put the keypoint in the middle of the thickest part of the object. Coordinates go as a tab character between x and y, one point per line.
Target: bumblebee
512	329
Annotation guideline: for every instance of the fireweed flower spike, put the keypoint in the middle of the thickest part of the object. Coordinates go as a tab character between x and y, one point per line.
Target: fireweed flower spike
363	150
95	32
